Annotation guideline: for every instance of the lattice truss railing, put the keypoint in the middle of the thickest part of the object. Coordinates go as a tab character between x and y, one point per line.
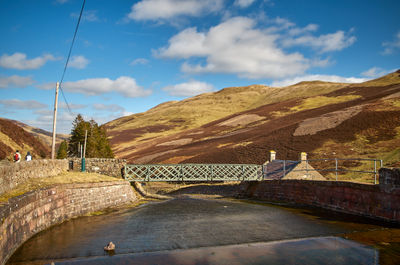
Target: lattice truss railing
194	172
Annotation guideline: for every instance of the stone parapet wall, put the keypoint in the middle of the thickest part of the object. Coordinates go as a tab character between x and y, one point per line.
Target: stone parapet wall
107	166
374	201
13	174
28	214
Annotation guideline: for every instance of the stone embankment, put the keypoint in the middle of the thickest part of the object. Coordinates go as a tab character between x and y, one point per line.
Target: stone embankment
23	216
374	201
15	173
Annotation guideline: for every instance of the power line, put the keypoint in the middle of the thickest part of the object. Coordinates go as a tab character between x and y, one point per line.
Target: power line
69	55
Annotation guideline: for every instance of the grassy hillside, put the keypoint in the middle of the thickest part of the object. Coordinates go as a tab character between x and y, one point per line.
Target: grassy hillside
45	136
174	117
14	137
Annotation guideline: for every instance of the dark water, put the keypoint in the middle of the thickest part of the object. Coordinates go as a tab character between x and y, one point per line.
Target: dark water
195	231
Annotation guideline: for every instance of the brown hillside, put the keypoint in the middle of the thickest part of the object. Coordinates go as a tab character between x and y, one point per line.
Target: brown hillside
44	136
347	121
14	137
127	134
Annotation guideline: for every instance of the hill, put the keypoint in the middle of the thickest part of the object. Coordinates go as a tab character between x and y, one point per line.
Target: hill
14	137
45	136
323	119
130	134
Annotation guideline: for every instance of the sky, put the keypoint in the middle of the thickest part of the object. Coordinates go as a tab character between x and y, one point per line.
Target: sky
130	56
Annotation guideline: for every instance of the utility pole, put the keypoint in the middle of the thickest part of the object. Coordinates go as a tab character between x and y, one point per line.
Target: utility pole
53	146
83	163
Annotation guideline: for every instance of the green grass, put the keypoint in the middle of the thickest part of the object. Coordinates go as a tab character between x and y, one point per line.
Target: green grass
320	101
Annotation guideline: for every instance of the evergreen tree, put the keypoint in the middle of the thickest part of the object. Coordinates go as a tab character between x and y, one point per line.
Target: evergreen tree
97	144
62	150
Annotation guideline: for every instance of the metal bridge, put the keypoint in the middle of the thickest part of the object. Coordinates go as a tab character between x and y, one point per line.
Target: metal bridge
276	169
194	172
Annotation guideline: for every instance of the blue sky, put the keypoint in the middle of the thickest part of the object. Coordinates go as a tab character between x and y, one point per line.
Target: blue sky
130	56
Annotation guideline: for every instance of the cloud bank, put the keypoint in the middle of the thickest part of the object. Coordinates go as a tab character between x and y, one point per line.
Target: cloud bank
15	81
238	46
189	89
167	9
20	62
123	85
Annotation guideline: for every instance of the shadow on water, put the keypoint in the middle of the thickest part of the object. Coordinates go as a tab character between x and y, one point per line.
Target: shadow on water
199	231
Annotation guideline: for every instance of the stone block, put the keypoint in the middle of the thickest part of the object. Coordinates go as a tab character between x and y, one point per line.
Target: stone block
389	180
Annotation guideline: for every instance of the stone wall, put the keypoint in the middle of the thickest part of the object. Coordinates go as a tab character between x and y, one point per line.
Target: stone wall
107	166
13	174
375	201
28	214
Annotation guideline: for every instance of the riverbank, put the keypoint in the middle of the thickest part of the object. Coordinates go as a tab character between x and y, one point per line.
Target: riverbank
39	203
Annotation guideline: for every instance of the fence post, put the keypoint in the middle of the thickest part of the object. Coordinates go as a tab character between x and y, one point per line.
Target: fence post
307	168
284	168
147	173
374	171
264	168
336	168
181	172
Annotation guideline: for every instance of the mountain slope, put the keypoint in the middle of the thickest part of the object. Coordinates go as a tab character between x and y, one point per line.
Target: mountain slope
169	118
45	136
358	120
14	137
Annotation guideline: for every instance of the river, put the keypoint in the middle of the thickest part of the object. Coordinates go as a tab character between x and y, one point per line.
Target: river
189	230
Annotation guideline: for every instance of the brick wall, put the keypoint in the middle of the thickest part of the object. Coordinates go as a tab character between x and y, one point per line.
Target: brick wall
376	201
13	174
107	166
28	214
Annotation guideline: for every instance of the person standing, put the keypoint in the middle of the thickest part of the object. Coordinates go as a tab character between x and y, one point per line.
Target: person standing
28	156
17	157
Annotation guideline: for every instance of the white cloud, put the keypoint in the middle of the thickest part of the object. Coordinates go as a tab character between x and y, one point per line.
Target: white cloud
78	61
72	106
124	85
167	9
189	89
47	86
391	47
234	46
374	72
15	81
139	61
108	107
89	15
298	31
20	62
22	104
244	3
62	1
327	78
45	121
325	43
